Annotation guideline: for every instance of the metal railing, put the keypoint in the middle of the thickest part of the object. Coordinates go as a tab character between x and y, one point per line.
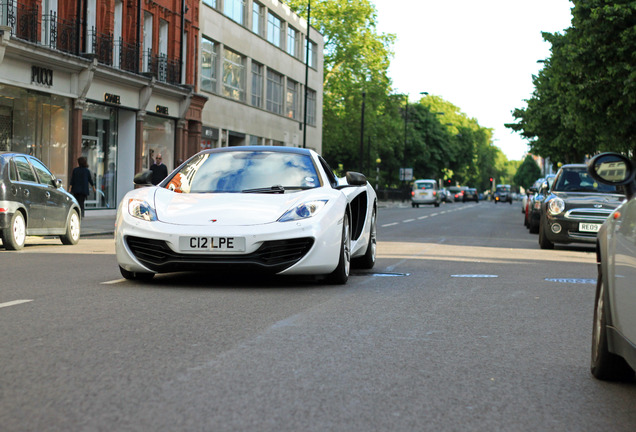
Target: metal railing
51	31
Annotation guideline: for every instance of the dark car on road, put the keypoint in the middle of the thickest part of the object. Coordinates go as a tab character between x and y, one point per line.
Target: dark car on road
470	194
576	207
503	193
33	202
542	189
614	330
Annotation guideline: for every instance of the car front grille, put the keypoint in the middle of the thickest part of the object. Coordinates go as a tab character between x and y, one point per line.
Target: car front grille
588	214
272	256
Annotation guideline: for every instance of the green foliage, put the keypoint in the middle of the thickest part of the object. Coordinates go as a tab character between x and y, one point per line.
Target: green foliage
585	96
527	173
431	136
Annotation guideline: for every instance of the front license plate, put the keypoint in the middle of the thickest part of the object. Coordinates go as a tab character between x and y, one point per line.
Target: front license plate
589	227
212	244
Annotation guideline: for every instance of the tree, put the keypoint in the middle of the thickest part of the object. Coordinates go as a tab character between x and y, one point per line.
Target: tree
527	173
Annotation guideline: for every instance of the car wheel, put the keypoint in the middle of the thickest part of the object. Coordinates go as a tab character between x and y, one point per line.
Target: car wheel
72	235
604	364
368	260
436	204
341	274
533	226
544	242
135	275
15	235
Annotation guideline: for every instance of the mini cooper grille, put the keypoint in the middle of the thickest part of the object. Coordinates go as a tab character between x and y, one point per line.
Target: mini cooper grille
272	256
589	213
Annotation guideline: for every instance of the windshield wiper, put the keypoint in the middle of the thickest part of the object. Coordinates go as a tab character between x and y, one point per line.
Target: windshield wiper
271	189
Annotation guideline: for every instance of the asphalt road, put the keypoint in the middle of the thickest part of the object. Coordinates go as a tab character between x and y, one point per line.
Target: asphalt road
463	325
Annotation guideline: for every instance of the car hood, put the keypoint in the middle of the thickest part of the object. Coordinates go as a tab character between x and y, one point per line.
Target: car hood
589	199
222	208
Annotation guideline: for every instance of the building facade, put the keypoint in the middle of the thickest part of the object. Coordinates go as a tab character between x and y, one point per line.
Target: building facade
120	81
111	80
253	70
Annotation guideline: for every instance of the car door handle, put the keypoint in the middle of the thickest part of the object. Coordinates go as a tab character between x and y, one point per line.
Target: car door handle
26	192
47	195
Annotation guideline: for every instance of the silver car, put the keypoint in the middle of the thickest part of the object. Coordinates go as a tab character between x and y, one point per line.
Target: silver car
614	335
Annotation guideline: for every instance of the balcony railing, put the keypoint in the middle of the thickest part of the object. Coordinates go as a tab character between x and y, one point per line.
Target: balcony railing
61	34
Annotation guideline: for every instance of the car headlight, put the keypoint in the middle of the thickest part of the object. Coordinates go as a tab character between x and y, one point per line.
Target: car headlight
303	211
141	210
556	206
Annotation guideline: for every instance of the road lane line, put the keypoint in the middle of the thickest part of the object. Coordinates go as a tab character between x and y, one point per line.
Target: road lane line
408	220
13	303
422	217
113	282
390	224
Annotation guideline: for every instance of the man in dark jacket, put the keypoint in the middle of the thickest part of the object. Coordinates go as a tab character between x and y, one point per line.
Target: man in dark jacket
80	179
159	170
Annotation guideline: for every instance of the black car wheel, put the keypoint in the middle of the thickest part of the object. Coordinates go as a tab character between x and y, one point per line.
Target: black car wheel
14	236
72	235
341	274
367	261
544	241
135	275
604	364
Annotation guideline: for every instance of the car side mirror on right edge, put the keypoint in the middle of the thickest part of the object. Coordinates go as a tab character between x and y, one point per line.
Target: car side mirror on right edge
613	169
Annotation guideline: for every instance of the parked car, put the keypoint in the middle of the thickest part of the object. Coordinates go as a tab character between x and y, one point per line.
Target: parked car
470	194
447	196
276	210
503	193
614	330
534	205
425	192
576	207
34	203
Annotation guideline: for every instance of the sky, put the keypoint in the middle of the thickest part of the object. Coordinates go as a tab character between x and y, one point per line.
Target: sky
478	55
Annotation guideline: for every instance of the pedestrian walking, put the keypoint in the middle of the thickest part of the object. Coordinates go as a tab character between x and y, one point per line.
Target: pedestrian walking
159	170
80	181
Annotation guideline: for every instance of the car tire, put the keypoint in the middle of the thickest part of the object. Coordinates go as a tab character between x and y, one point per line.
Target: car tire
140	276
14	236
341	274
544	241
367	261
605	365
533	226
436	204
73	229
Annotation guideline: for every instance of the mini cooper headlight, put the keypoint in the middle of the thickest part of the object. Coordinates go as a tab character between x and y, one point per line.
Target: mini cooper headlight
141	210
556	206
303	211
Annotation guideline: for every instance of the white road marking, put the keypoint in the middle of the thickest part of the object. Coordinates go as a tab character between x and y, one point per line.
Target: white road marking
474	276
422	217
13	303
113	282
408	220
391	224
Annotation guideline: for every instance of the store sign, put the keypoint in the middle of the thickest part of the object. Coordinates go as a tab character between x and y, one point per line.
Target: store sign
112	98
40	75
160	109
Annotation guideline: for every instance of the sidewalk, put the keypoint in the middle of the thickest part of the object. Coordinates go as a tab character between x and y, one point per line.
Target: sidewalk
100	223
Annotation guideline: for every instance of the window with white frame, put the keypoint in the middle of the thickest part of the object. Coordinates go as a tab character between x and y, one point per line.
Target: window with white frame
235	10
257	18
257	84
312	59
311	107
274	92
274	25
147	42
292	37
208	65
211	3
291	99
233	75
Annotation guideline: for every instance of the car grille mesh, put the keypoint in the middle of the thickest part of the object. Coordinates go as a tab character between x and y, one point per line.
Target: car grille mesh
272	256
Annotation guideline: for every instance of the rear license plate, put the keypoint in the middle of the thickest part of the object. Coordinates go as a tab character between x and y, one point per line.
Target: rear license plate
589	227
212	244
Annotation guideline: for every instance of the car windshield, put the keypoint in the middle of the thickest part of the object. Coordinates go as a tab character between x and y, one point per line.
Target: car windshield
424	185
245	171
503	189
578	180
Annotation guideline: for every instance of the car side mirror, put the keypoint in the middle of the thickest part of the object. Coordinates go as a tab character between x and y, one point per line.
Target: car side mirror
356	178
57	183
143	178
613	169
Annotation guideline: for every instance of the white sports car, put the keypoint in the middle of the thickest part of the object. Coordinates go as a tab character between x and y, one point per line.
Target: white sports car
280	210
